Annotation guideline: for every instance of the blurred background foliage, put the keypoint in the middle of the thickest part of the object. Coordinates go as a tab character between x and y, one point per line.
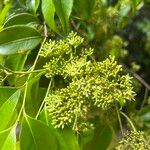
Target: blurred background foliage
112	27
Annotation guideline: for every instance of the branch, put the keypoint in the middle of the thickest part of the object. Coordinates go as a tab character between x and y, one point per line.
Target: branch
45	30
74	25
138	77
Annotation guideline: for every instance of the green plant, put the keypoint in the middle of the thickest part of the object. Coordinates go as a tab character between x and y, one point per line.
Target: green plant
134	140
56	92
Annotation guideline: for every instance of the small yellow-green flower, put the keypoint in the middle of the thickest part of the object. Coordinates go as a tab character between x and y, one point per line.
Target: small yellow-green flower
91	84
134	141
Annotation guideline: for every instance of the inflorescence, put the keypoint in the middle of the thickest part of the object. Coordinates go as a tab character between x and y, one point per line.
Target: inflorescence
134	140
91	84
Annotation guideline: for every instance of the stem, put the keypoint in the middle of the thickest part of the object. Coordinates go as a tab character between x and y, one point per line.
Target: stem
11	72
26	83
45	30
74	26
48	89
145	97
23	103
119	119
38	55
28	72
75	122
129	120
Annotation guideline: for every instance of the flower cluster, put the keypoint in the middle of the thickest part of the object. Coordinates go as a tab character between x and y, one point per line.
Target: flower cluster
92	84
60	54
134	141
60	48
68	107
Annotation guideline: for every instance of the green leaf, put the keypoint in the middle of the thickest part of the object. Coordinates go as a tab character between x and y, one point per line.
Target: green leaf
8	139
7	110
5	93
35	135
20	19
48	10
45	118
1	59
86	138
35	95
102	138
84	8
63	10
15	62
17	39
18	146
144	110
3	136
4	13
1	6
145	113
32	5
67	140
124	10
22	3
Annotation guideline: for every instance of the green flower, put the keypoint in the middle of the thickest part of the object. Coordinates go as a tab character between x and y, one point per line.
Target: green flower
74	40
91	85
68	107
62	56
54	67
62	47
134	141
55	49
